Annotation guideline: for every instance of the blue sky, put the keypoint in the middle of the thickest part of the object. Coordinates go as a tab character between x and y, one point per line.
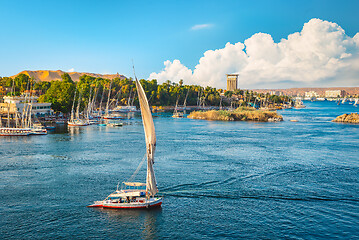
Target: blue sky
104	36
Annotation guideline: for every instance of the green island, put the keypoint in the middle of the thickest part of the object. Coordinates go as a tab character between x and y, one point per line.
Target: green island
239	114
347	118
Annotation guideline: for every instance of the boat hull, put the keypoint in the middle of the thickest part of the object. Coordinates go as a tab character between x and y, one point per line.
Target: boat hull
157	202
113	118
77	124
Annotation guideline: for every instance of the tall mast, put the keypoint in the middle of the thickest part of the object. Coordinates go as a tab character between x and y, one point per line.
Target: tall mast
24	107
16	119
185	100
199	97
175	111
78	107
89	104
103	91
108	98
94	99
129	98
30	109
8	115
73	106
119	95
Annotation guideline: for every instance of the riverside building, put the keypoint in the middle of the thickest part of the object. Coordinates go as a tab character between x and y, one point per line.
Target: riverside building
232	82
17	103
334	93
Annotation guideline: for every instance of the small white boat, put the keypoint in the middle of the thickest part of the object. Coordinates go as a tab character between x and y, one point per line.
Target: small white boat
176	113
135	195
299	104
115	124
112	117
38	129
77	123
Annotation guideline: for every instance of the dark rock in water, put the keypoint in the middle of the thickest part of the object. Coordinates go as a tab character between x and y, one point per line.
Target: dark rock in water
348	118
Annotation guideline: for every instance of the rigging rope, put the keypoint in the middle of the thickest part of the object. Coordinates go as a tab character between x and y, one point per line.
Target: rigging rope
137	170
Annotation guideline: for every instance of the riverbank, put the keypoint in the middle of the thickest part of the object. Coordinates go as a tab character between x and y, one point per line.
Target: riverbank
347	118
239	114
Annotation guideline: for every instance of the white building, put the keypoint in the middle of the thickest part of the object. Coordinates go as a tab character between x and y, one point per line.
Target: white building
18	103
334	93
278	93
311	95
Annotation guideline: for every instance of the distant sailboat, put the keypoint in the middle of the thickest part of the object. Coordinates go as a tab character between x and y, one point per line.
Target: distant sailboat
75	117
176	113
299	104
20	129
134	195
107	115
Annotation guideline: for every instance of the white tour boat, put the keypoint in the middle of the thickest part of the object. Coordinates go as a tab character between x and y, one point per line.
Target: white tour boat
8	131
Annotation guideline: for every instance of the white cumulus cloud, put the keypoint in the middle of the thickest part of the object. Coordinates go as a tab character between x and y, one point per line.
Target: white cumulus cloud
71	70
321	54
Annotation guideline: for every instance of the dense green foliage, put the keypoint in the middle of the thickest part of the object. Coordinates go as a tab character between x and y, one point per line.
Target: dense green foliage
61	93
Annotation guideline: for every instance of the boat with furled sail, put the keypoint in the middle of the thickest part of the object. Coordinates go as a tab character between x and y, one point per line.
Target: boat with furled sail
176	113
135	195
76	122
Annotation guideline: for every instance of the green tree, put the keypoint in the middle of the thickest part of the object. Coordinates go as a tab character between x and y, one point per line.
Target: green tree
60	94
66	78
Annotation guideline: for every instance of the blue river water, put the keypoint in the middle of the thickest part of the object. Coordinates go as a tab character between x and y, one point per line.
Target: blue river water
220	180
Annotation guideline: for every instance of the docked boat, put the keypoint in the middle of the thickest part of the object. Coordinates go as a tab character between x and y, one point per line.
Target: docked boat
135	195
179	112
4	131
125	109
38	129
177	115
115	124
112	117
299	104
76	121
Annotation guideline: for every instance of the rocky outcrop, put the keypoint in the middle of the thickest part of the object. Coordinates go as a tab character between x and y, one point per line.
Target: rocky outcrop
237	115
348	118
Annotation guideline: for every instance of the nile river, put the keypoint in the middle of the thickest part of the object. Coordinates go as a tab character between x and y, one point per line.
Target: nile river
220	180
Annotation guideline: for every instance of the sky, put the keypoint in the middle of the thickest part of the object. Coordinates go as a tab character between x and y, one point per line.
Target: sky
270	44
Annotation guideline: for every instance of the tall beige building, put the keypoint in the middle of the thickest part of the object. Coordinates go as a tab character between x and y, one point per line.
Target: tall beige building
232	82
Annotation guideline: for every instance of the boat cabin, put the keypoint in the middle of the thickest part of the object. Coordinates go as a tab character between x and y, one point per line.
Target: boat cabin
129	192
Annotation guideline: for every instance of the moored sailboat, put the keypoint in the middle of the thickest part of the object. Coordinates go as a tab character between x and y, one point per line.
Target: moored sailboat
75	122
134	195
176	113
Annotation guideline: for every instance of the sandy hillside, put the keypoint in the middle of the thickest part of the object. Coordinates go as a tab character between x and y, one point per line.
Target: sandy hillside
48	75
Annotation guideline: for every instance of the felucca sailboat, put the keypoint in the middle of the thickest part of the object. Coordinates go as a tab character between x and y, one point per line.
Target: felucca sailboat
137	194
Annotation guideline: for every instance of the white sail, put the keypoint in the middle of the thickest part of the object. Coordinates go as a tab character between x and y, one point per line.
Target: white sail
150	135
